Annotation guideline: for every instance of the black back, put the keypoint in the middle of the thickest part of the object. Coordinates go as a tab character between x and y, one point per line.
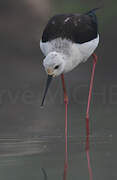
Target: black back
78	28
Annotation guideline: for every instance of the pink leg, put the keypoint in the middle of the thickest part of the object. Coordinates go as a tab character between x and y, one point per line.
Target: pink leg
66	104
91	84
87	117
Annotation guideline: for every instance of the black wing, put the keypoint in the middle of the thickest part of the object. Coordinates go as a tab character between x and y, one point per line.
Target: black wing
78	28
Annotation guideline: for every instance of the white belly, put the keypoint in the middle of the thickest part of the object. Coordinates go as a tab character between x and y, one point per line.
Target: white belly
74	53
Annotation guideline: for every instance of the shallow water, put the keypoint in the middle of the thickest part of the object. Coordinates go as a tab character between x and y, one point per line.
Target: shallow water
32	138
23	157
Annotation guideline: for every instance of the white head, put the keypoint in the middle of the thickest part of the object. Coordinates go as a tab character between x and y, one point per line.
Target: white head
54	63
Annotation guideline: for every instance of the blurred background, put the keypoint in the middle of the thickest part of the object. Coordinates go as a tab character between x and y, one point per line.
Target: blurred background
31	137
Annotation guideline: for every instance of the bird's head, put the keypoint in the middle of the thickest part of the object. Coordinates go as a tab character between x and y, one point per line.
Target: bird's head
54	64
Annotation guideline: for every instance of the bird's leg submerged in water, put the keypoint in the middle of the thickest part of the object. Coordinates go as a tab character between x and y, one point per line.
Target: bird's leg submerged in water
66	104
87	116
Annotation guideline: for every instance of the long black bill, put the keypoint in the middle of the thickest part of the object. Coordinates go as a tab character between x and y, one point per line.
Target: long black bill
49	79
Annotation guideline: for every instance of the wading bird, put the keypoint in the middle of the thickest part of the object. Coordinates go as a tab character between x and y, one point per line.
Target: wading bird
67	41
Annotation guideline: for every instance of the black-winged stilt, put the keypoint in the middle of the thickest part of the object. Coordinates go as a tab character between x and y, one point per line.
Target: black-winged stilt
67	41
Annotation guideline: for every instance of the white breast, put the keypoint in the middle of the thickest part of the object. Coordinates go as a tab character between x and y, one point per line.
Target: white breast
74	53
88	48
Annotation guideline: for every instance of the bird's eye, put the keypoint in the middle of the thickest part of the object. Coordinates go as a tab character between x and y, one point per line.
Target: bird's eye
56	67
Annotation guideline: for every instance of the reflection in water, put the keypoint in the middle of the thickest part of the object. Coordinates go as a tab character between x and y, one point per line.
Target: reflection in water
87	149
44	173
65	170
47	152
